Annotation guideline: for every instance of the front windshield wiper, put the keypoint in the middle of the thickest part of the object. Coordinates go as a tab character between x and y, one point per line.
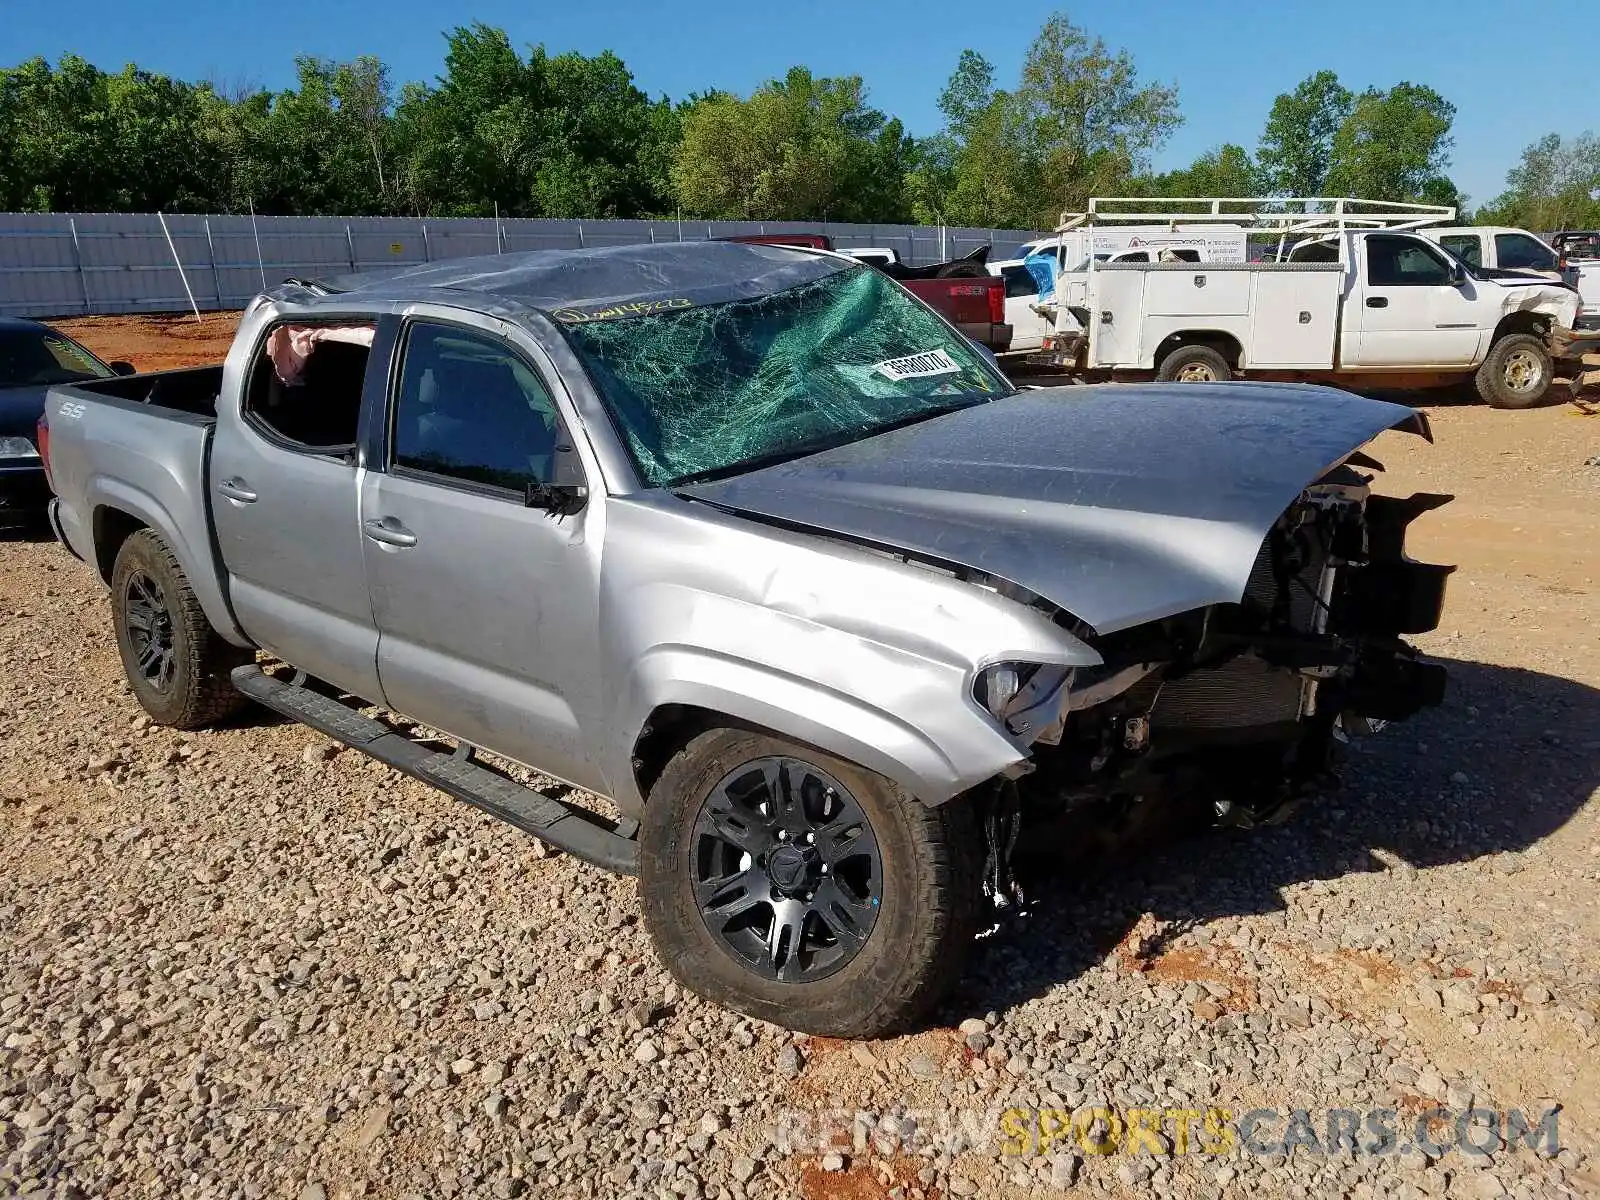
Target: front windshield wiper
828	442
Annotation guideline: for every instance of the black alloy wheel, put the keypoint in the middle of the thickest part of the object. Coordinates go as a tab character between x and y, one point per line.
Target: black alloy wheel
786	870
149	625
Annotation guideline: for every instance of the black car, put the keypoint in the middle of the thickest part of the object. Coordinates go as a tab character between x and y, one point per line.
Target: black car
32	357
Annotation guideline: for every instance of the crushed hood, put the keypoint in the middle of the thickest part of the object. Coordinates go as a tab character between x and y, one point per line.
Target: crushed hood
1120	504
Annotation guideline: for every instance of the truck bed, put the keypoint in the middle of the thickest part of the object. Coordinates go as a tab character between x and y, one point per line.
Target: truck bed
138	448
191	391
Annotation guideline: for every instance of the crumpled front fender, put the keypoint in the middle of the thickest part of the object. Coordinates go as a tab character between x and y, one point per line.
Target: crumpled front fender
962	749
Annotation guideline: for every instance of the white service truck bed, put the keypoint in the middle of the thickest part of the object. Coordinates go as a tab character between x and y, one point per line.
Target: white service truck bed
1284	315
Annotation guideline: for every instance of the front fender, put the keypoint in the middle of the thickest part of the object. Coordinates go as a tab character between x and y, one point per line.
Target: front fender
198	562
956	748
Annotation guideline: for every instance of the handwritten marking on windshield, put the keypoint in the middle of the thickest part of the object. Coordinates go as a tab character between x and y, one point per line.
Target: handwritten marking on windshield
634	308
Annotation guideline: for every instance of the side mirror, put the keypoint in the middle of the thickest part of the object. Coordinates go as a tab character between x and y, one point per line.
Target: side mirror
1458	274
557	499
123	367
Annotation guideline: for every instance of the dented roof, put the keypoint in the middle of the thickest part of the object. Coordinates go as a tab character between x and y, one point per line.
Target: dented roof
581	284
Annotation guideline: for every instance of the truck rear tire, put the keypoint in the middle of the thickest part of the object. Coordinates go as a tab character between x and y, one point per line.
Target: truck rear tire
1516	373
176	663
804	890
1194	364
963	269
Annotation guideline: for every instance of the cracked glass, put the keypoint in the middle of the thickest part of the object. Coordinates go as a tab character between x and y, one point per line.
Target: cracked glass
707	391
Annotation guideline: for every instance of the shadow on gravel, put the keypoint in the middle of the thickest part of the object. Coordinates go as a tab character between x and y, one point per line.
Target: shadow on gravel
1526	744
28	531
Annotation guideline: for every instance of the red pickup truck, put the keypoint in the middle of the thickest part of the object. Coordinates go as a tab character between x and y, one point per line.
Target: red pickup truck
961	291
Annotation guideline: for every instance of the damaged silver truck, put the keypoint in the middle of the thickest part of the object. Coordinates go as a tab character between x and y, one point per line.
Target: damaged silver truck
750	543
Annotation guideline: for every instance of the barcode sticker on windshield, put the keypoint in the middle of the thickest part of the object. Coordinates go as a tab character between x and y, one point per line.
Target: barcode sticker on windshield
917	366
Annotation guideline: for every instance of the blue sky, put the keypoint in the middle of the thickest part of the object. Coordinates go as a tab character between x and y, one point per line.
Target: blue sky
1510	82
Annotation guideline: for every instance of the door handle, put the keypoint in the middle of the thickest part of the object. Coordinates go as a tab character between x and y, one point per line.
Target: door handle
1377	302
390	532
234	489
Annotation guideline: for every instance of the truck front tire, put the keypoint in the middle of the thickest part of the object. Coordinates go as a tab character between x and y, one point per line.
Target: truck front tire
1517	373
177	665
804	890
1194	364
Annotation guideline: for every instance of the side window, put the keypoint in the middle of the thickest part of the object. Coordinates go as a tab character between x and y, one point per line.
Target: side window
1019	282
1467	247
1318	252
469	408
1141	256
305	385
1403	262
1180	254
1519	251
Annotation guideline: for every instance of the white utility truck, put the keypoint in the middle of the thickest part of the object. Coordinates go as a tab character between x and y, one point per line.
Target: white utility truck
1358	297
1065	261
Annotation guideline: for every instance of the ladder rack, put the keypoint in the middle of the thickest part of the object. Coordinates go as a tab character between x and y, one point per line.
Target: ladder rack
1282	215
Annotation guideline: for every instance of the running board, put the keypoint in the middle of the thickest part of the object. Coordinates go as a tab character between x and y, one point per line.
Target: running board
576	830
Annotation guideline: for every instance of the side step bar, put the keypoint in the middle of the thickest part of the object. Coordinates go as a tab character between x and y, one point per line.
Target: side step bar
576	830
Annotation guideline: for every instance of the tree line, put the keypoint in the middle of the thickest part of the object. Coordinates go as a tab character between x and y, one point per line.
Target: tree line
567	135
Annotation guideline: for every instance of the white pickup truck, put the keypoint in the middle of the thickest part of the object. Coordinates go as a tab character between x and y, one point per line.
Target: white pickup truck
1363	305
1499	249
1580	264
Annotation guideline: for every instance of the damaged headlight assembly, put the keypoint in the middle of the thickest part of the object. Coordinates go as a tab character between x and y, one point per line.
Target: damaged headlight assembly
1032	700
14	448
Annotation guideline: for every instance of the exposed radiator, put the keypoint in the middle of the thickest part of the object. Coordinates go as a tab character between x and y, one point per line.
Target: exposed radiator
1240	694
1246	691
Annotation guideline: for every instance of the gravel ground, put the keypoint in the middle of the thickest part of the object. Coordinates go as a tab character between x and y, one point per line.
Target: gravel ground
245	963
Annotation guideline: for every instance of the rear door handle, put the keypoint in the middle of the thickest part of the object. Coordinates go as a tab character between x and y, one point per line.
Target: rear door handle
1377	302
234	489
390	532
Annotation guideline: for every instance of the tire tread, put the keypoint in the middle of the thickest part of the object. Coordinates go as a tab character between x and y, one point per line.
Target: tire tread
945	897
209	695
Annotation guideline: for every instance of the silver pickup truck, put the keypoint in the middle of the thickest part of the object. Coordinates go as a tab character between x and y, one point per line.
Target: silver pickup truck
752	543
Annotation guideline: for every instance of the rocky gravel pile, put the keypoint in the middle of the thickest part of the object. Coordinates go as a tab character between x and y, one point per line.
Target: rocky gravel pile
248	963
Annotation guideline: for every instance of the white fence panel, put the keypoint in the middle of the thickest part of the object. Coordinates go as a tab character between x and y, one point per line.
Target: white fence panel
60	264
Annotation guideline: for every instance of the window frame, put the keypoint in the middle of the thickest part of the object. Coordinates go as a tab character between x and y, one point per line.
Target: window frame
1419	244
566	464
345	454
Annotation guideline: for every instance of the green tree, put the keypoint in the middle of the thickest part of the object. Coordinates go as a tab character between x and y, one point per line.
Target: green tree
798	148
1088	121
1078	123
1555	185
566	136
1297	146
966	101
323	146
1225	170
74	137
1394	145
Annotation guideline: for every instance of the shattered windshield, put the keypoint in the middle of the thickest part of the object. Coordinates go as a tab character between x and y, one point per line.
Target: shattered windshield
713	390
